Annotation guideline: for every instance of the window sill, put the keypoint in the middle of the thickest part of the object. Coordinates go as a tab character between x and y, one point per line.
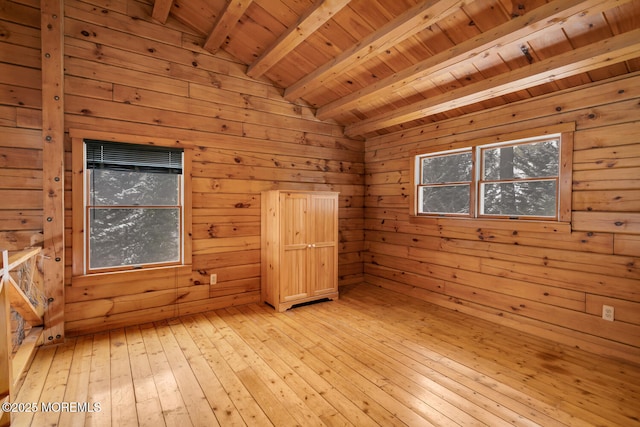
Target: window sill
498	224
179	272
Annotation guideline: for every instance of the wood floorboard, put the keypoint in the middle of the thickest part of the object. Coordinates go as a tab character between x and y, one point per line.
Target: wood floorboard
373	357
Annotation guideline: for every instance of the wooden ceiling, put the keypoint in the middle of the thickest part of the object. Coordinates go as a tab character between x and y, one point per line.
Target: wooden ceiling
377	66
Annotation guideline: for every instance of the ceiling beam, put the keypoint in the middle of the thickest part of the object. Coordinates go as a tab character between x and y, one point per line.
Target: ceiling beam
519	29
231	14
161	9
610	51
314	18
404	26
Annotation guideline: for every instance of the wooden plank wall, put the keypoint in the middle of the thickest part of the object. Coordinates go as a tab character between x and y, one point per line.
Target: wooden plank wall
126	74
21	197
552	284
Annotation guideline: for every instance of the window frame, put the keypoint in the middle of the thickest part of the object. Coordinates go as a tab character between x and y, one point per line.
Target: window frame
563	132
420	184
80	187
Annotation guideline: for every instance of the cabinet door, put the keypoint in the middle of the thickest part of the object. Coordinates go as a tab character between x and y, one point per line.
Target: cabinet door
293	271
323	253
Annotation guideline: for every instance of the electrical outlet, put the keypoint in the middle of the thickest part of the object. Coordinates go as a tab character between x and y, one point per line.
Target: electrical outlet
213	279
607	313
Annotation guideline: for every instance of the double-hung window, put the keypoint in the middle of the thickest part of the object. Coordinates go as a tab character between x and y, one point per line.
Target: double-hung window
133	206
519	179
446	181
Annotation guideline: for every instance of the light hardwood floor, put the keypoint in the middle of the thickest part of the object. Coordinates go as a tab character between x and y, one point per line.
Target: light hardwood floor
373	357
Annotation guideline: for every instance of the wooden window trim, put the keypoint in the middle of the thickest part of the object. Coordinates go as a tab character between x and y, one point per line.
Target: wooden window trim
560	225
78	136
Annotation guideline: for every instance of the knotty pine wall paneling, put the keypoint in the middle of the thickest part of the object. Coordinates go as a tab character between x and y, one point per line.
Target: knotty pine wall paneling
21	204
129	75
549	281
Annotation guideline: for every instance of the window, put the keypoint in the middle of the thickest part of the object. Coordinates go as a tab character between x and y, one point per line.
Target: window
445	183
133	206
519	179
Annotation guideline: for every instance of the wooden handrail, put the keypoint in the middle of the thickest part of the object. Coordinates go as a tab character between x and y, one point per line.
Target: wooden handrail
12	366
17	298
18	258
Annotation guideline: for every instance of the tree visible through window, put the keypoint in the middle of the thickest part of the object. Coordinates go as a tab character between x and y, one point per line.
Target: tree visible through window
520	180
446	183
133	205
517	179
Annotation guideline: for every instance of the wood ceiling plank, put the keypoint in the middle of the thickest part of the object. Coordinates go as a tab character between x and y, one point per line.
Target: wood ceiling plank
606	52
321	12
459	27
252	34
487	14
161	9
225	22
286	12
406	25
196	14
518	29
593	29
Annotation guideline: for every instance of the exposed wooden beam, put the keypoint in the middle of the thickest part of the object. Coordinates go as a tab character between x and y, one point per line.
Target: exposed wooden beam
225	22
404	26
52	35
314	18
606	52
519	29
161	9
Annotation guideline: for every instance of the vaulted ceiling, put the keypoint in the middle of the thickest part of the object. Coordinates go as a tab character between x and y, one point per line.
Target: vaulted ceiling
377	66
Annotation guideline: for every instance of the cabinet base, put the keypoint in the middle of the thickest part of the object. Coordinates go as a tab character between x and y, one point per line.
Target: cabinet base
284	306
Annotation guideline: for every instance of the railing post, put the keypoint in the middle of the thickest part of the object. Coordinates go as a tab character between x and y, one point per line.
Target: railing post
6	369
52	37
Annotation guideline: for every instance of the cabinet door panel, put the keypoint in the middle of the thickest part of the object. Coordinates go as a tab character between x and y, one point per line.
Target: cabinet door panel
323	219
294	211
323	254
322	270
293	274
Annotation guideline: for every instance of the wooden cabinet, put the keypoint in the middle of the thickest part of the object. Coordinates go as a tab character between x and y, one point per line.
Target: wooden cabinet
299	244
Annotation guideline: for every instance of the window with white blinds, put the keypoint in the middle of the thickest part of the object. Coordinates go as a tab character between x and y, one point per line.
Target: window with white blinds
133	205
